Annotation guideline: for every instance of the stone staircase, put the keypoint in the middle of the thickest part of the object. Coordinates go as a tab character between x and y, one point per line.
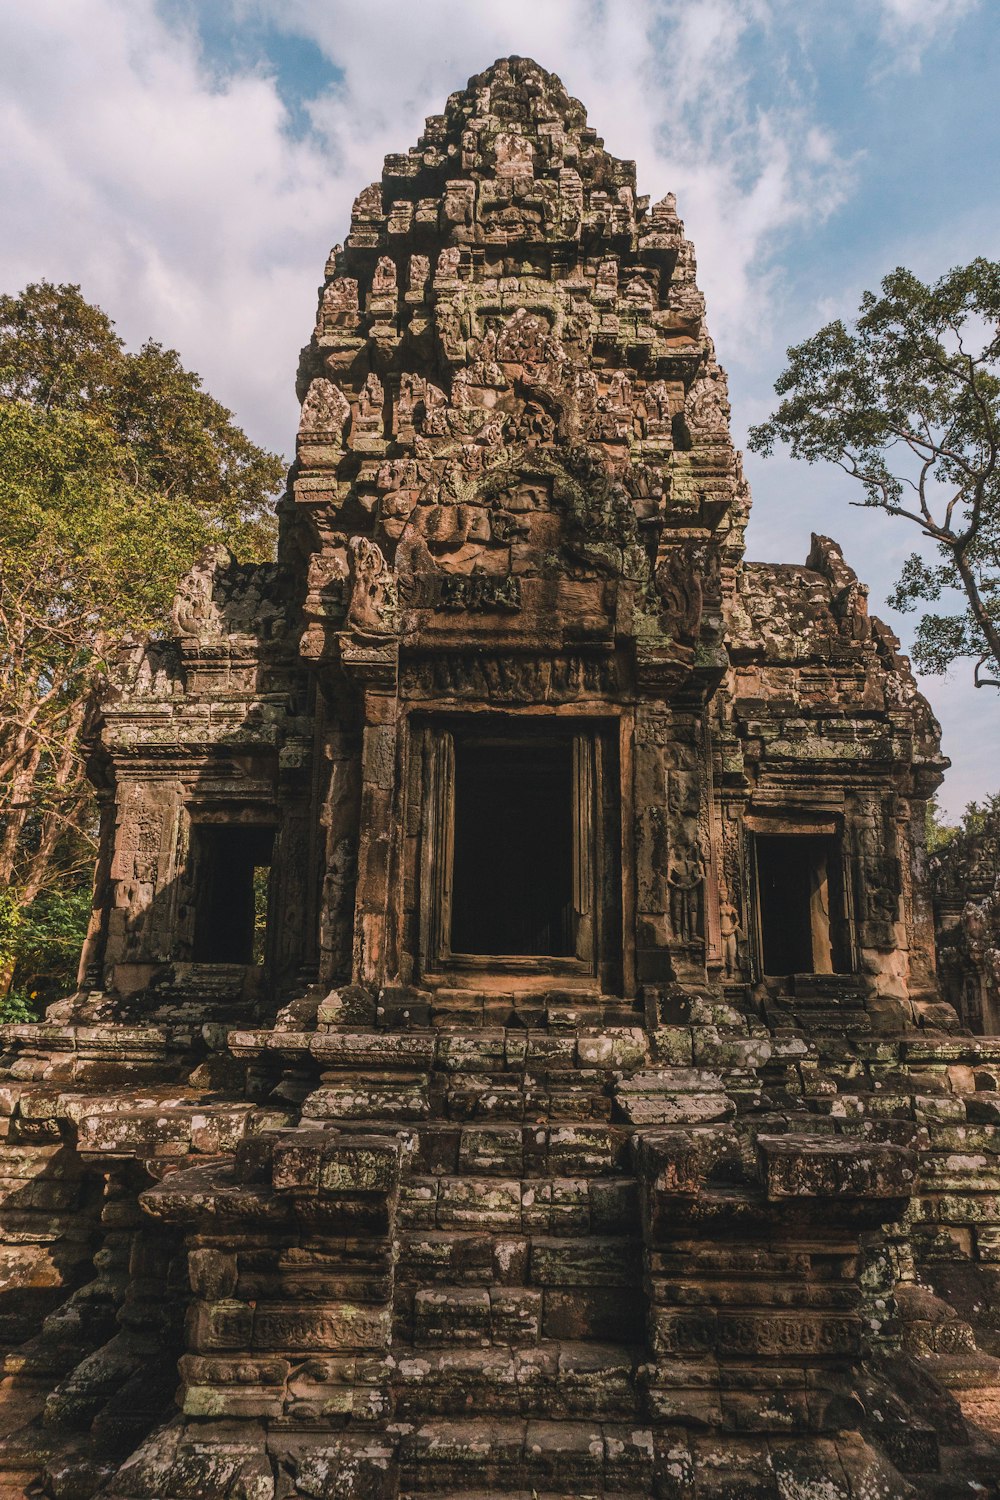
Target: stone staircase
517	1317
482	1244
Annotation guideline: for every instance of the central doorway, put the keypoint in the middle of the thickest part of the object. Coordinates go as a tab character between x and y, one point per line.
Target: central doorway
513	860
520	868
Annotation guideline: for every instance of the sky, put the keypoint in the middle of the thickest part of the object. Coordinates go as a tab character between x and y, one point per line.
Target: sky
190	162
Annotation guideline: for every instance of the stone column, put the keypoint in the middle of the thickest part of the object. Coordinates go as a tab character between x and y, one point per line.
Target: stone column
670	860
375	666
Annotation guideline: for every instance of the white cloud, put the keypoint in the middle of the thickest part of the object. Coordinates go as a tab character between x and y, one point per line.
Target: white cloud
183	204
910	26
924	17
181	207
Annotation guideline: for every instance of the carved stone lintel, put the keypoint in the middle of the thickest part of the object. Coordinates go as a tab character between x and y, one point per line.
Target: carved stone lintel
373	662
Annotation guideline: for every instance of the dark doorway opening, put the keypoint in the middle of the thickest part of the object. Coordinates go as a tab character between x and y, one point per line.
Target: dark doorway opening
512	881
799	892
232	877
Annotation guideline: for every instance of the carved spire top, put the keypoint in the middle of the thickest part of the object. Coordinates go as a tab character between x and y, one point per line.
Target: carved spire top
512	157
515	120
510	377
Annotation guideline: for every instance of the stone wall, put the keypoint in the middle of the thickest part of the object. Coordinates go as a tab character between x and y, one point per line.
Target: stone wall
965	876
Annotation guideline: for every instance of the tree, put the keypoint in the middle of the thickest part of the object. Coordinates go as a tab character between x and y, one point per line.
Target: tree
116	470
938	832
909	404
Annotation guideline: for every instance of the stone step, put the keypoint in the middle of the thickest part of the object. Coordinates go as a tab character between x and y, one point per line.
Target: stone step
477	1316
838	985
968	1370
819	1015
495	1050
562	1458
519	1150
548	1494
600	1313
547	1206
971	1472
467	1288
550	1379
375	1101
457	1007
167	1131
579	1095
508	1149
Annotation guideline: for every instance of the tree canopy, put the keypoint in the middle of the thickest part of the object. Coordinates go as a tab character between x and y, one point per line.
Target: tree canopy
908	404
116	470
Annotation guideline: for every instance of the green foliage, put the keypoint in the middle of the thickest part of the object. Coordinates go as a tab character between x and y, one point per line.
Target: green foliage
908	404
116	471
48	939
57	350
261	892
165	438
16	1009
978	816
938	833
10	921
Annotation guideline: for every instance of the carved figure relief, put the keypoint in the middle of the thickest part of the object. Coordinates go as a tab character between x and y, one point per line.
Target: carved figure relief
371	405
371	611
731	934
685	879
196	609
707	406
384	277
679	588
326	409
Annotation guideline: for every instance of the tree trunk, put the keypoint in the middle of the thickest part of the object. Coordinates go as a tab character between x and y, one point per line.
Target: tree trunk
979	611
16	816
68	773
67	779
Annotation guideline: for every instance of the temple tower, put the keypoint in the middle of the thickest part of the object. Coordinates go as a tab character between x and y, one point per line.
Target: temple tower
507	1058
490	721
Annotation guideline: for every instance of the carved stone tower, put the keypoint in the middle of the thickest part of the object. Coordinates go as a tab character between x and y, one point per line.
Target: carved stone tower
511	918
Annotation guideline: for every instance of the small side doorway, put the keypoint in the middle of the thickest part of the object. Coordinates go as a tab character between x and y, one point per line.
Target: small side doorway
799	903
232	867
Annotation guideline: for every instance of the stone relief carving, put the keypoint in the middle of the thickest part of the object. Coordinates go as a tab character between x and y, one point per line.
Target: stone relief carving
731	934
326	409
371	610
196	609
685	879
384	277
679	589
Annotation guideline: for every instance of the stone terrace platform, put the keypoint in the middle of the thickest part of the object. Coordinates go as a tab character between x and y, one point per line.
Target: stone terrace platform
596	1250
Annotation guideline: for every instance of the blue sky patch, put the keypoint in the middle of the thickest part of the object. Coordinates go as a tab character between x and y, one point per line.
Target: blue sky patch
235	38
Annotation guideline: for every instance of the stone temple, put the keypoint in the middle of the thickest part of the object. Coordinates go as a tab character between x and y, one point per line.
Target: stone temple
508	1058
